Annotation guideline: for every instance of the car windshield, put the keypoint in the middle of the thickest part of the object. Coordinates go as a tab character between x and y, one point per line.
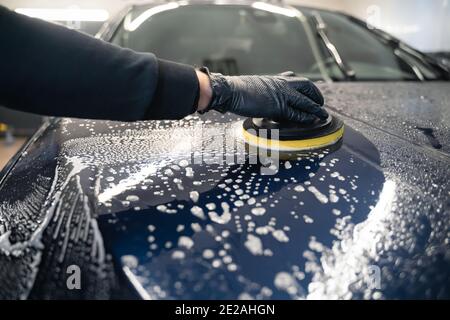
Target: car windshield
236	39
227	39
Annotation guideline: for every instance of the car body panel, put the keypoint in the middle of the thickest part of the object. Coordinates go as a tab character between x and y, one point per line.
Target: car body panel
114	199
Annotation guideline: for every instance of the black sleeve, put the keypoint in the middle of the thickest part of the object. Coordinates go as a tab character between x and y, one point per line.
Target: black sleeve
51	70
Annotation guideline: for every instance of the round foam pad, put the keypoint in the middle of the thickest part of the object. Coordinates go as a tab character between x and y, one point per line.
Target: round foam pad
291	136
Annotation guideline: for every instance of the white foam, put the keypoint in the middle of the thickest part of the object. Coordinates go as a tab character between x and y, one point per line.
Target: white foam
194	195
258	211
280	235
254	245
185	242
208	254
319	195
198	212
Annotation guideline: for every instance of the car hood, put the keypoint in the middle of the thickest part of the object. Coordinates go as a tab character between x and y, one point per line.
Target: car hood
147	205
416	112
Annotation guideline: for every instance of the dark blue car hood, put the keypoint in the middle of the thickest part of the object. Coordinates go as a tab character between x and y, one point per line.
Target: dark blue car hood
147	206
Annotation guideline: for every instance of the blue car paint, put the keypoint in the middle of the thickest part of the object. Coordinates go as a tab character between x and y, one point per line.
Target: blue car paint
126	232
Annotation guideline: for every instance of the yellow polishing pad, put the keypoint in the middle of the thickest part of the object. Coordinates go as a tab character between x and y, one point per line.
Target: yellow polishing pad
289	140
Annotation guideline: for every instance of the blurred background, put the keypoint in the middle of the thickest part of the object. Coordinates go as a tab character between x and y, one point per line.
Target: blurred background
423	24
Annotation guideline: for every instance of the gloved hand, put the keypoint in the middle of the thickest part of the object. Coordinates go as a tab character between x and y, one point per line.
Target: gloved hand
280	97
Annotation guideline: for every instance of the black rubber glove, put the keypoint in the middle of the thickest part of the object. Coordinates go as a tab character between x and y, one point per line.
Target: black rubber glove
280	97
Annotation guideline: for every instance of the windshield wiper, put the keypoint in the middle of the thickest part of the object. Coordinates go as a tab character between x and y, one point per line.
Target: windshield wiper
321	29
396	44
424	59
399	52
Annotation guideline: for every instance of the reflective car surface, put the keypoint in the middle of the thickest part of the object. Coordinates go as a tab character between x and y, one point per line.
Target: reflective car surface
180	209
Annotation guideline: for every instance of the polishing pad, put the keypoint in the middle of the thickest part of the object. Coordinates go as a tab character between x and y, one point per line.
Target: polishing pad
290	136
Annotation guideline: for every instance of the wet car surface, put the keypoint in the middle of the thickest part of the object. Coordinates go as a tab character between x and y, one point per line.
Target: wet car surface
146	211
